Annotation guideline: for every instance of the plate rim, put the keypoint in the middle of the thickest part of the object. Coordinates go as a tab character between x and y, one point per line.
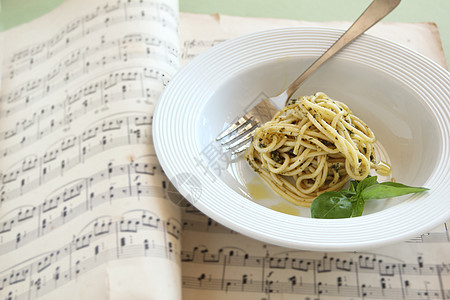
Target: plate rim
159	147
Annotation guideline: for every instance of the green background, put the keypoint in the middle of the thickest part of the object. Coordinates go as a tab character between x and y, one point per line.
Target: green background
14	12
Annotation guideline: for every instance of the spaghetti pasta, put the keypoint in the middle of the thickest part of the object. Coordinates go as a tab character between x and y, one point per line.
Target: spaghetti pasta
313	145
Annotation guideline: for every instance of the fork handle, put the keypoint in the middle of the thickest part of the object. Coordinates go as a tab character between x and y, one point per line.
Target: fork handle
376	11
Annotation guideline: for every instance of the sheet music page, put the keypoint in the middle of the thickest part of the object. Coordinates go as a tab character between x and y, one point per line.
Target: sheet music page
218	263
83	209
199	32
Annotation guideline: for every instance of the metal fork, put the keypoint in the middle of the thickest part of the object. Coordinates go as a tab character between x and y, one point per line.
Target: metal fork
237	136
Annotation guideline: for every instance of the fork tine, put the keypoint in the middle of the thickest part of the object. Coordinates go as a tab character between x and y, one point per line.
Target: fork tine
242	139
240	149
240	132
239	123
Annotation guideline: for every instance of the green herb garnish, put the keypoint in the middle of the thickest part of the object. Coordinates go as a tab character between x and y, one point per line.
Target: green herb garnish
275	155
350	203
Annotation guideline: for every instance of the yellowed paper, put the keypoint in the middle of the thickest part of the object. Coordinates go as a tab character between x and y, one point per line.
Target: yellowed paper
208	30
220	264
83	211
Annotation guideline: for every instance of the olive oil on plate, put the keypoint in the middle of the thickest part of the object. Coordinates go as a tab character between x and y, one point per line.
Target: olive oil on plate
262	194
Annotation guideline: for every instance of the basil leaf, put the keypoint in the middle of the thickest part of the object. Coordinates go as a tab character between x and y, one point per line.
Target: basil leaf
347	193
365	183
400	185
331	205
353	185
389	190
358	206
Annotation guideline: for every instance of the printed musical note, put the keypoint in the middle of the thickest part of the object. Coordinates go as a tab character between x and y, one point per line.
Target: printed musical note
80	177
84	26
24	176
70	201
283	280
72	102
192	48
83	61
55	265
95	96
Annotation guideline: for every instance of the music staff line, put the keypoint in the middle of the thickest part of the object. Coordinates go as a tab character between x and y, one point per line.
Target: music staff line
294	285
187	52
302	275
80	63
363	263
77	29
35	170
38	89
207	225
84	190
88	98
45	223
131	45
105	240
193	220
59	276
68	191
112	171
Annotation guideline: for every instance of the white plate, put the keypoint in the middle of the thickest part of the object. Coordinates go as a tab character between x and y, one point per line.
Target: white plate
403	96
